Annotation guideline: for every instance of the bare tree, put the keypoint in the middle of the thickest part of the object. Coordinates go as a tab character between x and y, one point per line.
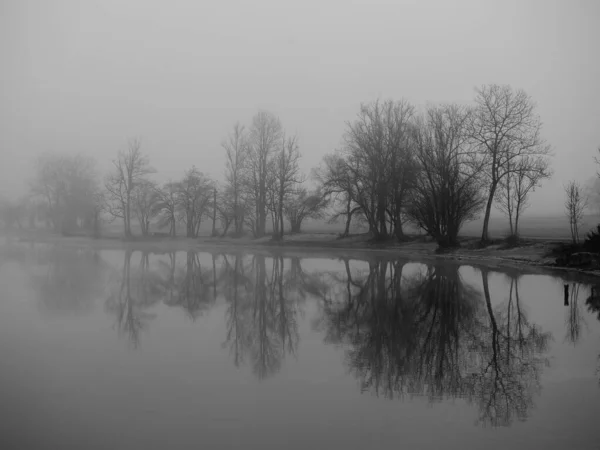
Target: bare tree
302	205
194	195
575	205
130	168
286	177
513	191
336	181
447	188
166	206
264	139
145	200
236	147
375	169
506	128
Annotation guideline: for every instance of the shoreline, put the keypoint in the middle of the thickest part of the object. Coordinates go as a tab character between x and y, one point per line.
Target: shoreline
529	258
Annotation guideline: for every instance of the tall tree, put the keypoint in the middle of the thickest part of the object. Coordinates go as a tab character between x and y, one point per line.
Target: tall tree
129	169
447	190
378	156
286	177
236	147
575	205
264	139
506	128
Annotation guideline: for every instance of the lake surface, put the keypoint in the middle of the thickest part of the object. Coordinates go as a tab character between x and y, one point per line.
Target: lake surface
128	350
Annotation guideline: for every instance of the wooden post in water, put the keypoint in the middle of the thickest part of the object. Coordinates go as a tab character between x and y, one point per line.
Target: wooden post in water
566	295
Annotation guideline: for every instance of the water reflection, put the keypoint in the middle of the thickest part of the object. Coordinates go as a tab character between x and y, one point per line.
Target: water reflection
264	300
434	335
427	333
574	319
130	297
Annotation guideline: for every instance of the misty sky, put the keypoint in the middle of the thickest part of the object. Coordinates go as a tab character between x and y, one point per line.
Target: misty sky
84	76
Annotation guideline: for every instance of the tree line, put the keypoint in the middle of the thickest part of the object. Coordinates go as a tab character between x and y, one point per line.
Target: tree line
396	167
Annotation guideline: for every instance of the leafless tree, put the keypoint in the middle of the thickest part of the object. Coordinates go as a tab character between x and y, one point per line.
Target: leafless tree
575	205
130	168
286	176
378	155
166	206
194	195
506	128
145	199
513	191
335	178
236	147
447	190
302	205
264	139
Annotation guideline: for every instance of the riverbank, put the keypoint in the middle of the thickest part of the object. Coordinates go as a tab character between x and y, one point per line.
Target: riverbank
530	255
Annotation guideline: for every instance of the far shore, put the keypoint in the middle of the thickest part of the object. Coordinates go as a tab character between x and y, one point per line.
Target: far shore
529	256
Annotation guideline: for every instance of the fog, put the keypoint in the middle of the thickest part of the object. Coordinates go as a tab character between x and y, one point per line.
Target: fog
87	76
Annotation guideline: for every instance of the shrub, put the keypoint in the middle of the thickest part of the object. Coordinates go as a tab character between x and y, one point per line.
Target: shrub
592	241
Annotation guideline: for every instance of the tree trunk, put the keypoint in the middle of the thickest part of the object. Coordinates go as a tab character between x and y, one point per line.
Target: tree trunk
214	217
488	209
281	231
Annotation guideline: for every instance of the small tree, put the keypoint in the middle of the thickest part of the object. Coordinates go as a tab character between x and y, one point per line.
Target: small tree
575	205
513	191
130	168
506	128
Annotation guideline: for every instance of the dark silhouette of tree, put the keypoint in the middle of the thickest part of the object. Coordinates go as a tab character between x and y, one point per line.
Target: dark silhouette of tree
434	335
195	287
513	349
264	301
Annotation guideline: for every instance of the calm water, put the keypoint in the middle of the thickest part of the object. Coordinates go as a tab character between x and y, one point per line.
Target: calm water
128	350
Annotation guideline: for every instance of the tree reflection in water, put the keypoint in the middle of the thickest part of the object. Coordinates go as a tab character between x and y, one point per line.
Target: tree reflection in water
263	296
574	317
129	299
434	335
264	300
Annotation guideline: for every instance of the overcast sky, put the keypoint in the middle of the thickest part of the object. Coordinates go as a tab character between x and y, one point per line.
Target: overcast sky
84	76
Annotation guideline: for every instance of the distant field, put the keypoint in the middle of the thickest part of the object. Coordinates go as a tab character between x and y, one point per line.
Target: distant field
549	227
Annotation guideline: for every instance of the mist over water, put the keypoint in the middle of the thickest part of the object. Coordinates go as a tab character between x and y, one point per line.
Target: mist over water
259	349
